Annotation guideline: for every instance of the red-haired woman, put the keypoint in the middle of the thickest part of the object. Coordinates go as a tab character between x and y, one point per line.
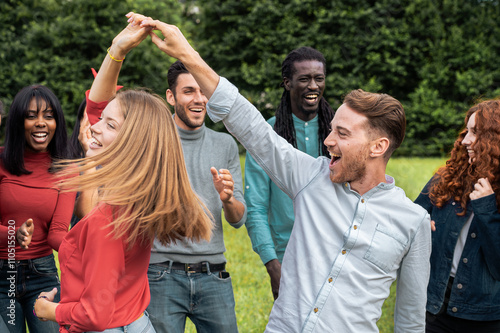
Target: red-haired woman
463	198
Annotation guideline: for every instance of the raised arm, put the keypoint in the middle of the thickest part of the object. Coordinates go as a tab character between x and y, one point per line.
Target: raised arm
104	85
175	45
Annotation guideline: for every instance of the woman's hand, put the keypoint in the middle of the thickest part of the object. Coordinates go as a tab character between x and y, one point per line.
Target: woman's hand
24	234
130	37
44	307
481	189
85	135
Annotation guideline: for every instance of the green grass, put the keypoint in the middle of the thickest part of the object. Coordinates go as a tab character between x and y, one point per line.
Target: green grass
251	285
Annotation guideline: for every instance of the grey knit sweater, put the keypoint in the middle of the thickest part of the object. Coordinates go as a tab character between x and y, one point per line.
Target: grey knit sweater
203	149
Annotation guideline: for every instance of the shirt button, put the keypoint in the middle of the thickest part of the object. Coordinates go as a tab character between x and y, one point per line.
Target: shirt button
454	309
307	139
355	227
465	260
460	286
345	184
247	187
473	235
316	310
344	251
330	280
362	200
305	124
453	203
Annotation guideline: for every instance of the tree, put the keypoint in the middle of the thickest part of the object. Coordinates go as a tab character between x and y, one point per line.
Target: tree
435	57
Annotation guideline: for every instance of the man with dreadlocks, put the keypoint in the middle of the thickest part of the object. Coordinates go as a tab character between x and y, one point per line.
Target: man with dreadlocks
303	119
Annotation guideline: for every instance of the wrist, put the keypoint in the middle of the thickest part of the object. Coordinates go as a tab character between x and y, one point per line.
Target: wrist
116	53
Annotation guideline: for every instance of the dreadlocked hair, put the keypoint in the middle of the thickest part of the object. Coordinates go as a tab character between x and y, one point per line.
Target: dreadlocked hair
284	121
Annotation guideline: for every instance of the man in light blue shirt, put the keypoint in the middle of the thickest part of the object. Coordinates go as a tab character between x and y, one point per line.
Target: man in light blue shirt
355	232
303	119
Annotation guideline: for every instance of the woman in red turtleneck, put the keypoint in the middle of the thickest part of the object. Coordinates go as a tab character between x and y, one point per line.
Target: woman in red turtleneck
34	215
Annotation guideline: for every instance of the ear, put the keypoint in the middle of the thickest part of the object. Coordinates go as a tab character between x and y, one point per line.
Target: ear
170	97
379	147
287	83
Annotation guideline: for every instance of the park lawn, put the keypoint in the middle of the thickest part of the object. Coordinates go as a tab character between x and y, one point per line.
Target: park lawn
251	285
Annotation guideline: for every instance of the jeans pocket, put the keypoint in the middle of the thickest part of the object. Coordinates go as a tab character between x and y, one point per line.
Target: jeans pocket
156	273
44	266
386	248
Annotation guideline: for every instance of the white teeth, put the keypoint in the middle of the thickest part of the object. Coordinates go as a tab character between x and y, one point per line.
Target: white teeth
312	96
196	110
40	135
334	155
95	141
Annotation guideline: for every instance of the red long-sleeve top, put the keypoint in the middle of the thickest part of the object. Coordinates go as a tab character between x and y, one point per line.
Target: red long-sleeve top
103	283
33	196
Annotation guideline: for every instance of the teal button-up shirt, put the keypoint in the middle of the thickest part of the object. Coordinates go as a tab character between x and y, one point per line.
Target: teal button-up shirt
270	211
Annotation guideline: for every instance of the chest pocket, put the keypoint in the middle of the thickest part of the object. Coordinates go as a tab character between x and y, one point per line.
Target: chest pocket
386	249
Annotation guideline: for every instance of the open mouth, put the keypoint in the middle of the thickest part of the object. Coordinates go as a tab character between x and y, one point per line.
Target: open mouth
94	143
311	98
335	159
40	137
198	110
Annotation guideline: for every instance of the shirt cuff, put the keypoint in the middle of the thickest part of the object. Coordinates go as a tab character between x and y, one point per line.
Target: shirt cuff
267	255
485	204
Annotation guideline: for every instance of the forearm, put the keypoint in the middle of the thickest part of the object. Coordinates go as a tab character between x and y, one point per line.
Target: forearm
205	76
104	85
412	280
233	210
488	224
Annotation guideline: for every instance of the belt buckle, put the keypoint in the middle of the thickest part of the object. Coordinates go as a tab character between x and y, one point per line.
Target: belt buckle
188	269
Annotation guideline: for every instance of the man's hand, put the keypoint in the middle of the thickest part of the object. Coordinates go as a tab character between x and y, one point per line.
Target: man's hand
481	189
174	43
274	271
24	233
223	183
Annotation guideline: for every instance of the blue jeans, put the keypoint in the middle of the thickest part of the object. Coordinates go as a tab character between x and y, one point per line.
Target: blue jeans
20	285
141	325
206	298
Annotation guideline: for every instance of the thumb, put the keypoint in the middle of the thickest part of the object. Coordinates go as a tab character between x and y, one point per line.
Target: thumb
214	172
29	222
53	292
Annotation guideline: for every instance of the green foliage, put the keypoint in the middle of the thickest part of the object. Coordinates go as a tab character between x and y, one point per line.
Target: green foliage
435	57
57	42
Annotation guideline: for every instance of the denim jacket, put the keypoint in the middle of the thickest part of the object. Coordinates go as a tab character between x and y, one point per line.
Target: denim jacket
475	292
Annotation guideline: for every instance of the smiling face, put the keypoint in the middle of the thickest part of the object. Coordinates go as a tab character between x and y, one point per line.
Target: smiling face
106	129
349	146
189	103
470	138
306	88
39	126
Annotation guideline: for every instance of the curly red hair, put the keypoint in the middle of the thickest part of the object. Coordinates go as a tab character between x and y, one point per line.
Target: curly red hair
457	178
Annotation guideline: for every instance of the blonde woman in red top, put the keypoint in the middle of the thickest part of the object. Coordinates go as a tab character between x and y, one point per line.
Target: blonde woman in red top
144	191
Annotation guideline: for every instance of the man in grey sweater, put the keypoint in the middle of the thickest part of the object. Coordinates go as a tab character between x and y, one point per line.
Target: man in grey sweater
188	279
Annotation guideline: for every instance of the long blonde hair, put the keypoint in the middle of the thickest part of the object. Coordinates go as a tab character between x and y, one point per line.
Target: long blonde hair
143	176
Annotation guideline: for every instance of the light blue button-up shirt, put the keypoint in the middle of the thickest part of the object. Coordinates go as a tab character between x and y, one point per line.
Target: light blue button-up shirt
345	249
270	211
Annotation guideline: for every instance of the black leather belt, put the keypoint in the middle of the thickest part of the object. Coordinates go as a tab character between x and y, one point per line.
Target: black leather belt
200	267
